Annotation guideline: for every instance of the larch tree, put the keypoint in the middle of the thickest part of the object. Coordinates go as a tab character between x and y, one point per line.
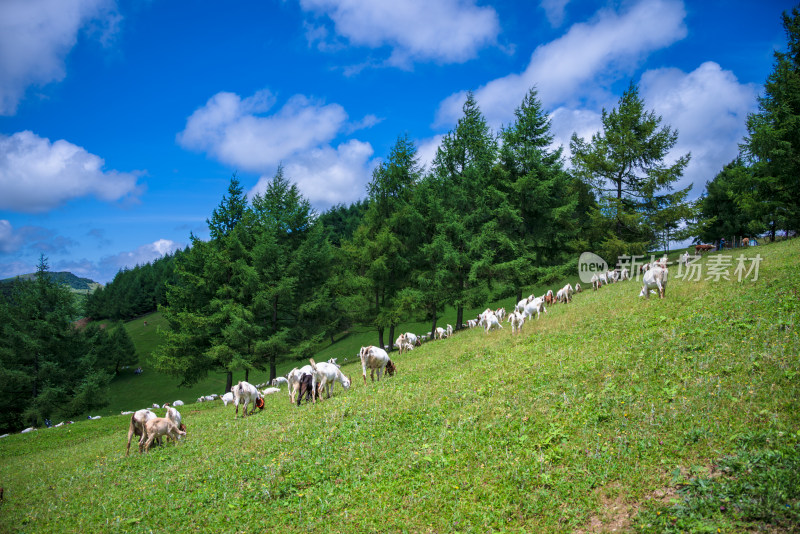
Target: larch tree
626	164
462	170
543	196
773	142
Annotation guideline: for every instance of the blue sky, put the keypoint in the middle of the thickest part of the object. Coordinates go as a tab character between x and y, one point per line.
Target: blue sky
122	121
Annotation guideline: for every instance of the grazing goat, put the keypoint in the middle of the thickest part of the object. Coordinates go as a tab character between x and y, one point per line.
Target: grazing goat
374	359
175	416
227	398
413	339
277	382
596	282
306	387
655	278
295	377
245	393
450	328
329	374
158	427
137	427
578	288
440	333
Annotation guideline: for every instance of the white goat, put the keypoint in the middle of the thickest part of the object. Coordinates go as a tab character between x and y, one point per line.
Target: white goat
295	376
517	320
596	284
175	416
227	398
449	330
375	359
440	333
489	321
537	306
329	374
655	278
277	382
245	393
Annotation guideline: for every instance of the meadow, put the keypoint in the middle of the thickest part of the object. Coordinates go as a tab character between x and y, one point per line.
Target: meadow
609	413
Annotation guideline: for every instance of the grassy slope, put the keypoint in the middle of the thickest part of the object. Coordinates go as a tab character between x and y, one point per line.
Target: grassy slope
583	419
130	391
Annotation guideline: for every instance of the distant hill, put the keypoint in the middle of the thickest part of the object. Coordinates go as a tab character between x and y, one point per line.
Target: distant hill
75	283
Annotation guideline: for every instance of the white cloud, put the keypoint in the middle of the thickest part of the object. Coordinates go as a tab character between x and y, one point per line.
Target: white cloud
709	108
554	11
445	31
426	150
328	176
565	121
236	132
10	241
143	254
581	64
37	35
37	175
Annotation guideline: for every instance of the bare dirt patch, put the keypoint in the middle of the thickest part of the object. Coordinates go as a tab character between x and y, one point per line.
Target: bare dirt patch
615	513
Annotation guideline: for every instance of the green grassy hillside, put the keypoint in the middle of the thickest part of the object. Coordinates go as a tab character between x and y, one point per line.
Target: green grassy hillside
613	412
130	390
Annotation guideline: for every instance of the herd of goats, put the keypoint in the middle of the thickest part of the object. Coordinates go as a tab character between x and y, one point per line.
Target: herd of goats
311	380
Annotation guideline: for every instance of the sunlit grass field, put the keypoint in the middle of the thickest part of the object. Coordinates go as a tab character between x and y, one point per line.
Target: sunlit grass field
612	412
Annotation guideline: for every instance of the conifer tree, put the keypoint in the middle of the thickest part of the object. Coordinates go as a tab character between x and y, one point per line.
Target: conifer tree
773	143
386	240
625	163
543	219
462	175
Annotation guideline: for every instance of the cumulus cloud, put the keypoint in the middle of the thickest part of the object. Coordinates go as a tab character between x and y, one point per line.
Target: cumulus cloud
566	121
237	132
445	31
554	11
10	241
143	254
426	150
37	35
37	175
708	107
327	175
582	63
